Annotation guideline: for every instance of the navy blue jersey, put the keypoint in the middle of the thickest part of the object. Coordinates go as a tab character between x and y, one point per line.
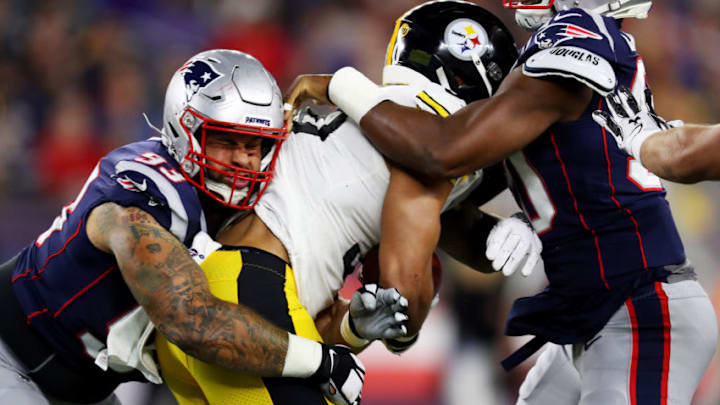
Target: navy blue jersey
602	217
72	292
605	225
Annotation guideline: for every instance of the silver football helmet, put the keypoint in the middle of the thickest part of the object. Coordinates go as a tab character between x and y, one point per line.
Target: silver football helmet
532	14
226	91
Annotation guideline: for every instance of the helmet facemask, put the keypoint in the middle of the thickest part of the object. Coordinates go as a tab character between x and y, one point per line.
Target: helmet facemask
528	4
247	184
532	14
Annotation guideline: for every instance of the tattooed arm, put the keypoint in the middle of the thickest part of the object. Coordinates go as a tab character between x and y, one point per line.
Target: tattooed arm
174	292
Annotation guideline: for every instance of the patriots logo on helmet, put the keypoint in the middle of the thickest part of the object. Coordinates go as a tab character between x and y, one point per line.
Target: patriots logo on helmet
554	34
197	74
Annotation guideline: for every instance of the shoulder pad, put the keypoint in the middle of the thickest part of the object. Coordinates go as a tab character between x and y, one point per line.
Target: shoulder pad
428	96
580	64
159	190
576	28
435	99
402	94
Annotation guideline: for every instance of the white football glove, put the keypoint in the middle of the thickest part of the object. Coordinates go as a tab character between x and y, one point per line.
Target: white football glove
341	375
631	122
374	313
513	244
202	246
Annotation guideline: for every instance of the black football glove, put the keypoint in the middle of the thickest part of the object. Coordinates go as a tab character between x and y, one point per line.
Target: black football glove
400	345
341	375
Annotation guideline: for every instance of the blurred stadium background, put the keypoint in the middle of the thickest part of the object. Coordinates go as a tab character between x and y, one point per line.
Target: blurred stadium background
75	77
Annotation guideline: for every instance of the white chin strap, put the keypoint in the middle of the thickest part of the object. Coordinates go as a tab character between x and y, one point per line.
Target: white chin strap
223	190
482	71
533	19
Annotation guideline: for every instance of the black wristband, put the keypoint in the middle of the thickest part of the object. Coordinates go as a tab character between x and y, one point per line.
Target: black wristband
322	374
353	328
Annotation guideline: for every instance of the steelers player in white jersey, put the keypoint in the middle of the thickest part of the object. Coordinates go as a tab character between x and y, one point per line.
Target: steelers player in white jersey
334	197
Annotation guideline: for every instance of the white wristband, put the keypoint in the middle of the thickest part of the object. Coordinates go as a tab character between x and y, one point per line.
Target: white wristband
354	93
350	337
303	357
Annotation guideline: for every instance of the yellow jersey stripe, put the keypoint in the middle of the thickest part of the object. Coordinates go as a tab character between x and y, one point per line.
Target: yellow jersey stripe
222	268
430	102
303	323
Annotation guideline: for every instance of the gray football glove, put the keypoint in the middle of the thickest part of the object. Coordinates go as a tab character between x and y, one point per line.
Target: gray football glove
374	313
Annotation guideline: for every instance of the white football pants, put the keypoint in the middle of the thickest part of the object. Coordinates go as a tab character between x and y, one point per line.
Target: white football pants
653	351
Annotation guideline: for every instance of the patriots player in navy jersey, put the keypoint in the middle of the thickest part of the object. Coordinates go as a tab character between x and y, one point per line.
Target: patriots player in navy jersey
671	150
628	322
78	301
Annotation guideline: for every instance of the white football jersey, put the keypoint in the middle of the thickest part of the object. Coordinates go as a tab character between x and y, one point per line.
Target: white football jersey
326	199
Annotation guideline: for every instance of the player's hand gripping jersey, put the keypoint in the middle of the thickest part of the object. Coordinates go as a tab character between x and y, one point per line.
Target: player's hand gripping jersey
74	294
602	217
325	201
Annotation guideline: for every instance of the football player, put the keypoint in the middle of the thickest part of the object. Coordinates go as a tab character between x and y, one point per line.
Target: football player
333	198
629	322
78	300
671	150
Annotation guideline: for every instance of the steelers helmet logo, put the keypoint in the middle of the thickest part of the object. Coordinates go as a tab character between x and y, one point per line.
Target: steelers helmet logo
465	37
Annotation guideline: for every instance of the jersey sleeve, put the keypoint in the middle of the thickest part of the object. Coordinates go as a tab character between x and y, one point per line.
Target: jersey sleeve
575	44
148	180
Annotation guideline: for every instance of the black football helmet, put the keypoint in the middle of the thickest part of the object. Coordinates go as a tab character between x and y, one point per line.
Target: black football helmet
457	44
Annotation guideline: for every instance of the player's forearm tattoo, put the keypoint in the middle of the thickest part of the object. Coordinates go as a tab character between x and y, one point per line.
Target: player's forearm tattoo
173	290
